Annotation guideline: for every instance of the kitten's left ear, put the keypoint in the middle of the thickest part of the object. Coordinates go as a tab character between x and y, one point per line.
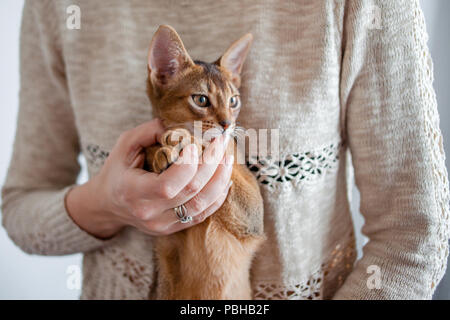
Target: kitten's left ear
233	59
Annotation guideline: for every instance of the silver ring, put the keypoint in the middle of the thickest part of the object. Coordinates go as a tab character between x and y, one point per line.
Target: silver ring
182	214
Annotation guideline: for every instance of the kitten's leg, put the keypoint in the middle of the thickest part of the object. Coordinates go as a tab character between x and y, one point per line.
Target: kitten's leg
243	212
166	249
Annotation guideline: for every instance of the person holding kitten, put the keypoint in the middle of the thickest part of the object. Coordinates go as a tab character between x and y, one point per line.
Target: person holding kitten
346	99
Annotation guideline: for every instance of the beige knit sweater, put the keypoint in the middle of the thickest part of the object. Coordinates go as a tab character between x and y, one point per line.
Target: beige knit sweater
336	77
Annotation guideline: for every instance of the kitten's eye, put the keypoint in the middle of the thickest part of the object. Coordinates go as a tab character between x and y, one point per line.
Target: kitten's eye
201	100
234	101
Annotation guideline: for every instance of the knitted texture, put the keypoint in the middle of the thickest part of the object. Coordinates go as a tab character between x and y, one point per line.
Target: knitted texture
340	80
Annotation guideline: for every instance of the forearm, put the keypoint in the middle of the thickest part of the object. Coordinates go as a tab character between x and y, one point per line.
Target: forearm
84	207
38	223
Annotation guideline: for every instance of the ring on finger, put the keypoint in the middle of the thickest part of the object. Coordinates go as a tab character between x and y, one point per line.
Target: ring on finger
182	214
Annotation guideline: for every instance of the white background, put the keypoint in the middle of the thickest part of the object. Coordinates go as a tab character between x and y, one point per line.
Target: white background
33	277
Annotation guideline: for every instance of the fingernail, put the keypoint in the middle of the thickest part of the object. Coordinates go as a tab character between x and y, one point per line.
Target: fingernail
229	160
226	138
229	186
190	157
193	148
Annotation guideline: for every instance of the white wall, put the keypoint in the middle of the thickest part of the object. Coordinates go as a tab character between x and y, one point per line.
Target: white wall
33	277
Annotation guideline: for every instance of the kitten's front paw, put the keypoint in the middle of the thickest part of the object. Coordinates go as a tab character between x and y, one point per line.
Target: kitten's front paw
163	158
176	138
172	143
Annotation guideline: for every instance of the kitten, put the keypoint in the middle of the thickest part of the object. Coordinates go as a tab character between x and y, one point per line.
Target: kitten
210	260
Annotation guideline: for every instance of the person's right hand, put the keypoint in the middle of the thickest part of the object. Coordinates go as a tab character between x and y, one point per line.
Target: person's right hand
124	194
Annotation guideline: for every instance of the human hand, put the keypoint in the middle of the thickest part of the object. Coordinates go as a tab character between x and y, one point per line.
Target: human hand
124	194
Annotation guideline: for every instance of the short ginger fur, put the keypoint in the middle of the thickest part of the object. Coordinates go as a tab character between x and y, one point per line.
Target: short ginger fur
210	260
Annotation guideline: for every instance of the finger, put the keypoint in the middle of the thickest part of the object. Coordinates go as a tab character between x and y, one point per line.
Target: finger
139	161
211	158
211	192
212	189
213	207
169	183
132	141
176	225
215	150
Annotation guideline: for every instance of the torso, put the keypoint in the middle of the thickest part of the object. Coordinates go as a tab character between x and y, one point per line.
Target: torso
290	82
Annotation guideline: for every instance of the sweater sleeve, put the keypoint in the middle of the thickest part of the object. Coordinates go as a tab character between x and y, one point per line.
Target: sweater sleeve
392	128
44	162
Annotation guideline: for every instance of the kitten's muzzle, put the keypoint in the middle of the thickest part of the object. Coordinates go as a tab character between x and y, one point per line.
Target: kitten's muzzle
225	124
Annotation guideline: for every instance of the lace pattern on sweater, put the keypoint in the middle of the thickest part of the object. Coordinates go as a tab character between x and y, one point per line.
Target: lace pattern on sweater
333	272
297	169
137	273
95	155
431	127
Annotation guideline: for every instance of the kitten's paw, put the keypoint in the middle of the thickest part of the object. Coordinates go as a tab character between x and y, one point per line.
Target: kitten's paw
172	143
176	137
180	138
163	158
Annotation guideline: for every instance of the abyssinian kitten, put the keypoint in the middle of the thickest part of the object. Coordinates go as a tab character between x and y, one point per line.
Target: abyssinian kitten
210	260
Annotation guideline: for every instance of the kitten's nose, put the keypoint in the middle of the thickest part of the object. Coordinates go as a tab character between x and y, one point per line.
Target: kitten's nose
225	123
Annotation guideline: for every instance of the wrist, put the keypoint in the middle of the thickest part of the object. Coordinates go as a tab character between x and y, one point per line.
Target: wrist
84	206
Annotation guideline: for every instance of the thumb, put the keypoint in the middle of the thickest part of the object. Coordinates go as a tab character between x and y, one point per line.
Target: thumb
132	142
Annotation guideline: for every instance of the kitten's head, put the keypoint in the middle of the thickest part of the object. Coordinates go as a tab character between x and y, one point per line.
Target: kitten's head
183	91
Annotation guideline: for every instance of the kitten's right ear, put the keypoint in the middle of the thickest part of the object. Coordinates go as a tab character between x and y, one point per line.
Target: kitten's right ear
167	56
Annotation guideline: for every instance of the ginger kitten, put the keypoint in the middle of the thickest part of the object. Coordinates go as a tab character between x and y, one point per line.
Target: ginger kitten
210	260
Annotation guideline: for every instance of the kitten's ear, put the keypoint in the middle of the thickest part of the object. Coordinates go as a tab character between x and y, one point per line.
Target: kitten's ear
233	59
167	56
